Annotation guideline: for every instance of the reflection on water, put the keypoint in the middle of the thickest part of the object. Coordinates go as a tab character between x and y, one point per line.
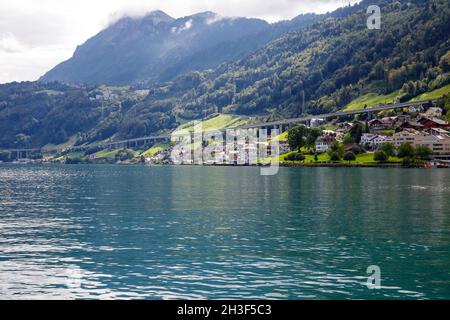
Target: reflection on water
196	233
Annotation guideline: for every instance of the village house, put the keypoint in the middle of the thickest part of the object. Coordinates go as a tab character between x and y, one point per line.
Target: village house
374	141
437	131
410	124
433	112
367	138
346	125
434	123
323	144
329	133
387	123
340	133
413	109
402	118
411	136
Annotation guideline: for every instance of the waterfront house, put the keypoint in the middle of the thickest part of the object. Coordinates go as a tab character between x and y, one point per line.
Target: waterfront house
438	144
437	140
408	135
323	144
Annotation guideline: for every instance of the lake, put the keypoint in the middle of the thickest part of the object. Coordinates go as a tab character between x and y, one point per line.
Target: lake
137	232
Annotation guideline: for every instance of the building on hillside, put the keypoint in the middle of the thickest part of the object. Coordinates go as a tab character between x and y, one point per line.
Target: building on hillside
402	118
387	123
340	133
329	133
410	124
346	125
434	123
433	112
438	131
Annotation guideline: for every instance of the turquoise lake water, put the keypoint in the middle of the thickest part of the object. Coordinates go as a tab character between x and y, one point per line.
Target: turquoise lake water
136	232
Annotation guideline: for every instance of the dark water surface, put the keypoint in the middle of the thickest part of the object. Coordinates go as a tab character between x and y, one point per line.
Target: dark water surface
200	232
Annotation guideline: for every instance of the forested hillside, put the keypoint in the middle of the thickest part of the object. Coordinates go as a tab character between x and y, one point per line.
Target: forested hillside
313	70
325	67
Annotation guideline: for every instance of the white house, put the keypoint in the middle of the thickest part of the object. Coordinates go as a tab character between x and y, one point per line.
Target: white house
380	140
366	139
323	144
374	141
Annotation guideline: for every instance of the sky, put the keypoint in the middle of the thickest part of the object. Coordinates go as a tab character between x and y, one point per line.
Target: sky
37	35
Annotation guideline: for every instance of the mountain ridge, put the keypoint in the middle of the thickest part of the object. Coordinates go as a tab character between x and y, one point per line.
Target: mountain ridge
156	47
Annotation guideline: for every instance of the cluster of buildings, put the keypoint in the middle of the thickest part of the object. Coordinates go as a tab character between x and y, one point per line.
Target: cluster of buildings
426	129
436	139
112	94
106	95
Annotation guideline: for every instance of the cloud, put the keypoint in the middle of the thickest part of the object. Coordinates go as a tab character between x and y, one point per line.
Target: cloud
29	64
215	19
9	44
185	27
37	35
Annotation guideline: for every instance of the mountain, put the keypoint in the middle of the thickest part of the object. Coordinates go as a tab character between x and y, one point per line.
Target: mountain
321	65
324	67
157	48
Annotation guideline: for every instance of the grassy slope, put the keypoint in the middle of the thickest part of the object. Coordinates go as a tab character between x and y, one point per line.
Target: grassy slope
438	93
282	137
371	100
108	154
222	121
72	155
155	150
68	144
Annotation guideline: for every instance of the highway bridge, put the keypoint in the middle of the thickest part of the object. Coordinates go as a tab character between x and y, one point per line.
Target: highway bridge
280	124
341	114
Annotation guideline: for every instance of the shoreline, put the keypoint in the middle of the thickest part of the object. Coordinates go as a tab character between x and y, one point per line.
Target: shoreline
283	165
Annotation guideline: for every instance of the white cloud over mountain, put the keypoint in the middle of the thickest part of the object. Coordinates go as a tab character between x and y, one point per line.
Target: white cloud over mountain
37	35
